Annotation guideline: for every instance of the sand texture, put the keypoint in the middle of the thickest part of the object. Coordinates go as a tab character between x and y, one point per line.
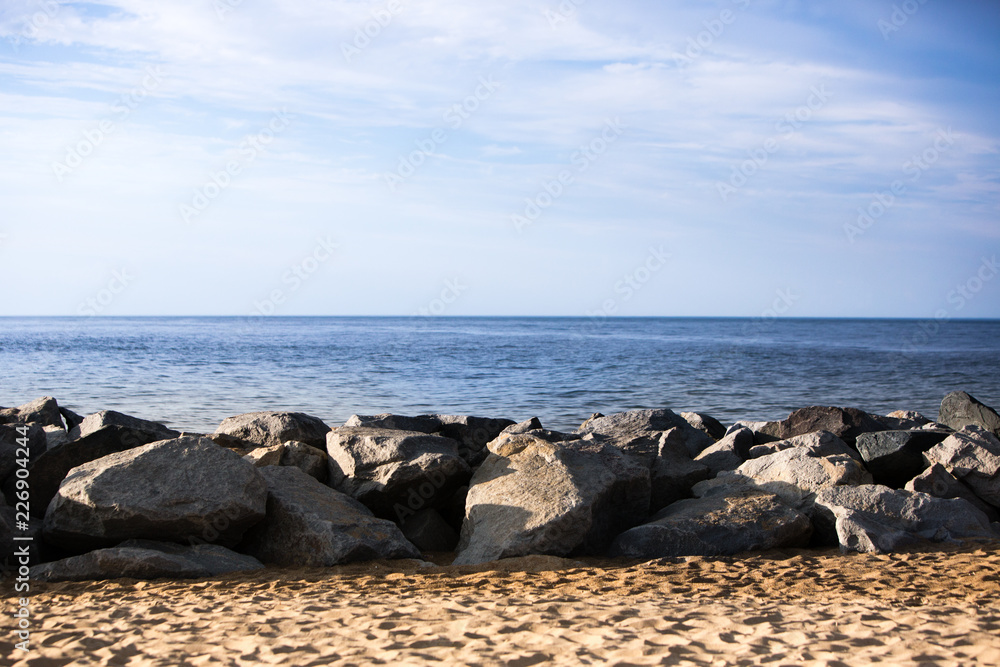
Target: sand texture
937	607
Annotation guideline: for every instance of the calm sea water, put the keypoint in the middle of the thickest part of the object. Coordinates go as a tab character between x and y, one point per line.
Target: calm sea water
193	372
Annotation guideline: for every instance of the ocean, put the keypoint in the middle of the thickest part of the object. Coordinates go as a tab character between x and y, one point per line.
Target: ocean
191	372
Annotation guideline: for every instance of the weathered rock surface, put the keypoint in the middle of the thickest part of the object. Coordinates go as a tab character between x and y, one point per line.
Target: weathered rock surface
903	420
973	456
428	531
674	472
846	423
706	424
186	489
151	431
55	436
310	524
820	443
146	559
50	469
728	453
395	473
959	409
273	428
795	475
471	433
895	457
532	424
310	460
716	526
938	482
638	432
42	411
532	496
876	519
265	456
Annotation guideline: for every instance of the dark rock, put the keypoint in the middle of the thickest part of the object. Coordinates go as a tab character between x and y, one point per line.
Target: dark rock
674	473
959	410
50	469
11	549
184	490
471	433
395	473
845	423
55	436
896	457
428	531
902	420
310	524
819	443
876	519
532	496
706	424
427	424
638	432
728	453
973	456
273	428
153	430
716	526
938	482
70	418
43	411
532	424
146	559
310	460
15	439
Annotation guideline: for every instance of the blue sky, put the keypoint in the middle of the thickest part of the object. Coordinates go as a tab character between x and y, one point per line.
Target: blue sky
396	157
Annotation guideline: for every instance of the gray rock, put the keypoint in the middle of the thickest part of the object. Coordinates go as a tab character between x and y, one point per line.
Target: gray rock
638	432
761	430
14	440
186	489
428	531
959	409
265	456
876	519
153	430
313	462
896	457
674	473
938	482
427	424
532	496
273	428
310	524
55	436
532	424
42	411
845	423
716	526
50	469
973	456
706	424
903	420
471	433
819	443
146	559
795	475
728	453
395	473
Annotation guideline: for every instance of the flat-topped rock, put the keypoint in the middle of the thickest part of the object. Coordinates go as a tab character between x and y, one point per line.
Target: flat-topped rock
265	429
42	411
152	431
845	423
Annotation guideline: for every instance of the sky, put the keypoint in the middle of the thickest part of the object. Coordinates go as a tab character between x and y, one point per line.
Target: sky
577	158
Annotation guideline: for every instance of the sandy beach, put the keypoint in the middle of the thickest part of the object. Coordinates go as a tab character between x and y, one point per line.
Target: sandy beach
938	607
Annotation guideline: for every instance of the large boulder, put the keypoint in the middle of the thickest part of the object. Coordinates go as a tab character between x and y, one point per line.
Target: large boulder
728	453
876	519
146	559
183	490
938	482
706	424
820	443
533	496
50	469
973	456
471	433
273	428
310	524
959	409
151	431
638	432
42	411
845	423
720	525
795	475
674	472
395	473
896	457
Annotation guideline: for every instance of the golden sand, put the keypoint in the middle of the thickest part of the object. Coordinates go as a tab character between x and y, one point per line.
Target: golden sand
781	608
